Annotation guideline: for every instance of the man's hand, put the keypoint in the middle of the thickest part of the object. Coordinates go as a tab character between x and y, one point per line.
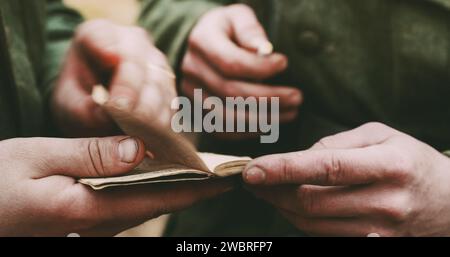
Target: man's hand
121	58
372	180
222	60
40	196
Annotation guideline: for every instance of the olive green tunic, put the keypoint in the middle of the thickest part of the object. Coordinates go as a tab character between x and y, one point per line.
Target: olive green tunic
34	36
356	61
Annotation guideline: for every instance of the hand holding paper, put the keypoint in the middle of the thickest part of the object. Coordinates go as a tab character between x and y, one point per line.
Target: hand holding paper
173	157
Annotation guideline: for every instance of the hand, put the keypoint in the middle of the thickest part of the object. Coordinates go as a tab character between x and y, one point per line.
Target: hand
40	195
372	180
122	58
222	60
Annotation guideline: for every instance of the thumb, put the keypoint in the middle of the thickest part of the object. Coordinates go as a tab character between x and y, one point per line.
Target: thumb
93	157
247	30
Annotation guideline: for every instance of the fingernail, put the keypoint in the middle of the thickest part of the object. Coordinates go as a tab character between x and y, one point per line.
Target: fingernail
100	95
128	150
255	176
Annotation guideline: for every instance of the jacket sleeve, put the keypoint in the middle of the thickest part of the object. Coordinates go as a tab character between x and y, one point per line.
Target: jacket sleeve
170	22
60	27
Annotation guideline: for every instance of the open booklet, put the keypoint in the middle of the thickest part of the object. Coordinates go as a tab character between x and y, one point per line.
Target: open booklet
173	158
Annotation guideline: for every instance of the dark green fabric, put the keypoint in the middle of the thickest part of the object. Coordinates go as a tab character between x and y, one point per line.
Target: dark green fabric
171	21
356	61
34	36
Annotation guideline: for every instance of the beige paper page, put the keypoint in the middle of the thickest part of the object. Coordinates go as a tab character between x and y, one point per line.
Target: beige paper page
167	146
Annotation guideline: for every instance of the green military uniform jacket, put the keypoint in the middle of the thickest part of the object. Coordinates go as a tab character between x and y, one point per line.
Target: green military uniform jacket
34	36
356	61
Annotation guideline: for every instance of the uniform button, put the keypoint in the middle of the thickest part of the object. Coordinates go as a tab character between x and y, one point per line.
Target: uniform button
310	42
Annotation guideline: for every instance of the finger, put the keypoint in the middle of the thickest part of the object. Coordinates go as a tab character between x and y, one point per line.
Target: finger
324	167
73	96
154	106
159	62
189	85
138	203
336	227
79	112
79	158
133	74
232	60
366	135
127	82
147	88
131	64
247	30
194	66
329	202
254	117
81	210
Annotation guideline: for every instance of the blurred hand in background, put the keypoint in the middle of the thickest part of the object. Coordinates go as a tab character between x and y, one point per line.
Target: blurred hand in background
222	59
123	59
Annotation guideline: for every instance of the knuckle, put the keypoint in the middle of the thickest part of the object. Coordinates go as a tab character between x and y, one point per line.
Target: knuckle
253	28
332	170
402	167
138	31
395	213
306	200
94	162
285	173
195	39
241	8
397	208
325	142
158	56
376	126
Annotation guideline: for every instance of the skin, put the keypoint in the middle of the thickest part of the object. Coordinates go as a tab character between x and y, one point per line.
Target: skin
222	59
373	179
41	197
121	58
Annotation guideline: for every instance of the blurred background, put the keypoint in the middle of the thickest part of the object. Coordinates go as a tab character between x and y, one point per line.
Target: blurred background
124	12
